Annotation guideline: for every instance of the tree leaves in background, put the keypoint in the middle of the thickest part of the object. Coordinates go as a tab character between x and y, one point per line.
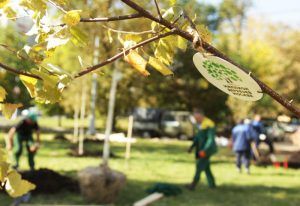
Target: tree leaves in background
72	18
2	94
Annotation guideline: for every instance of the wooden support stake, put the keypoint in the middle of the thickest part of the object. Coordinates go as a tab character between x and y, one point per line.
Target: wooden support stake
129	135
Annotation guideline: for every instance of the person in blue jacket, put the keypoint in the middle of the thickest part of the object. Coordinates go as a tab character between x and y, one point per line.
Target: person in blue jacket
205	146
242	135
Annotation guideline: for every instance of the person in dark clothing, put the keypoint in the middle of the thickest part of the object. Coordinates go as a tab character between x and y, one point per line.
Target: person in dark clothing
205	146
242	135
261	135
21	133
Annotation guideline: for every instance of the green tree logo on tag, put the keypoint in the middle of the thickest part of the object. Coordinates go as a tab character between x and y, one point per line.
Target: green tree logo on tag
221	72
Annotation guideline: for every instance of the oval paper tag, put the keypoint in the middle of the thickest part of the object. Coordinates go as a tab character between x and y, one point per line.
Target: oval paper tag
227	77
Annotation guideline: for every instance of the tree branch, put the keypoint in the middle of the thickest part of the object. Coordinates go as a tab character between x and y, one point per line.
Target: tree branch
113	18
158	10
209	48
15	71
121	54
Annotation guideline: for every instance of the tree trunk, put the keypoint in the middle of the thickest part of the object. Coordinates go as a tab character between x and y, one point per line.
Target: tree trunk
82	115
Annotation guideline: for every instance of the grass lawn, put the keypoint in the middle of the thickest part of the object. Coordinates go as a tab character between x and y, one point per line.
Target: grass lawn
167	161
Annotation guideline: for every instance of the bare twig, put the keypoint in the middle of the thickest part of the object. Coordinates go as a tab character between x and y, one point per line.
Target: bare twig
209	48
130	32
158	10
121	54
15	71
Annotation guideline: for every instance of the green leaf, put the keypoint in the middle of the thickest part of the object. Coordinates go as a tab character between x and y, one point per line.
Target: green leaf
2	94
79	37
159	66
72	18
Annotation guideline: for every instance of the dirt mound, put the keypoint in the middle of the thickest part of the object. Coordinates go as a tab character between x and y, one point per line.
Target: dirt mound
50	182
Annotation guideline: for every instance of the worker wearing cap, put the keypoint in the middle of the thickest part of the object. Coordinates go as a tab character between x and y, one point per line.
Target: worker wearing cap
21	133
205	146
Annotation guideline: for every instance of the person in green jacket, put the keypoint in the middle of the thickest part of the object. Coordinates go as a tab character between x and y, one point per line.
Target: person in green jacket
205	146
23	133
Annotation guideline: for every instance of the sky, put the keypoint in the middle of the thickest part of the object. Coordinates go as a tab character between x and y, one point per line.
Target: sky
284	11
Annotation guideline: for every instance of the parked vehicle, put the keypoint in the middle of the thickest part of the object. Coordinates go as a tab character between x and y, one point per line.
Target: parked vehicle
291	126
157	122
274	130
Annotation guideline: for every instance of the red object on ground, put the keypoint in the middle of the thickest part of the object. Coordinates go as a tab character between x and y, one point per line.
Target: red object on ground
285	164
276	164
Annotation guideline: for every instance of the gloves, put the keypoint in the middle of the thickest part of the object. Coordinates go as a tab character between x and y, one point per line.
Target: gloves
201	154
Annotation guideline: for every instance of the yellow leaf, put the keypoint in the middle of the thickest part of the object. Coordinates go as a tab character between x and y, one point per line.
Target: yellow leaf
110	39
48	95
17	187
61	2
35	5
29	84
9	12
181	43
204	33
3	3
8	109
3	156
3	170
72	18
159	66
2	94
138	62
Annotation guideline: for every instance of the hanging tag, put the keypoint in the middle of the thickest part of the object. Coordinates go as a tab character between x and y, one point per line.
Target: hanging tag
227	77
